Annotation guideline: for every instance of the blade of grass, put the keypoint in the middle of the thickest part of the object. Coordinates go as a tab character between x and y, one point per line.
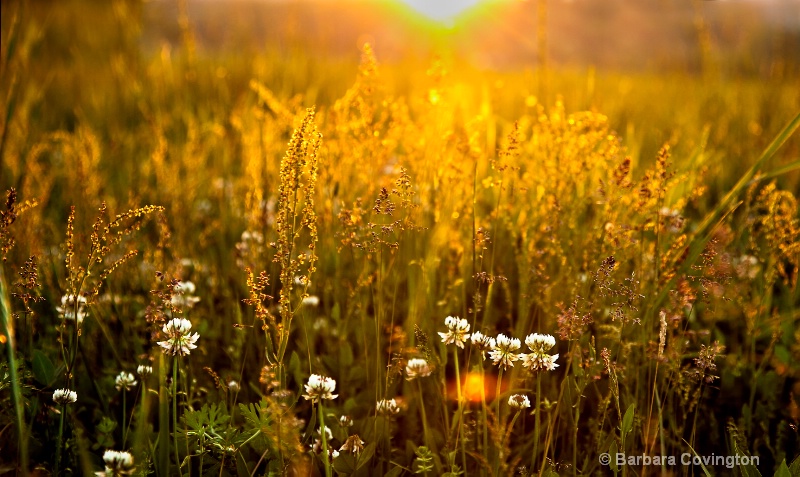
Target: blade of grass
8	337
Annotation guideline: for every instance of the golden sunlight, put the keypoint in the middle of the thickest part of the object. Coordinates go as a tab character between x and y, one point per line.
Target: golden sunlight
444	11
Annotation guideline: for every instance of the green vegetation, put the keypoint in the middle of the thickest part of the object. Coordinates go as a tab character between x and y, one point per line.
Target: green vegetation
287	264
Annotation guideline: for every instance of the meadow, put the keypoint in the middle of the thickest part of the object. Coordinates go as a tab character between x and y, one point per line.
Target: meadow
283	263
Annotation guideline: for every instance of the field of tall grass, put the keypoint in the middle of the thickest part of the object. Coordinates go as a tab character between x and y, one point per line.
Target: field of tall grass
286	264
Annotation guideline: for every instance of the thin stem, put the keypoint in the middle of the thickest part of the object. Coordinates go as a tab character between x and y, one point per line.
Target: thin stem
323	432
175	410
497	417
123	423
424	417
460	411
536	422
60	439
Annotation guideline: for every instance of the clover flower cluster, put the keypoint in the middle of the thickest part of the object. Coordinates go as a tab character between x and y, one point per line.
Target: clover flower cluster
64	396
519	402
417	368
179	339
320	387
503	350
457	330
183	295
125	381
69	310
118	463
538	359
387	407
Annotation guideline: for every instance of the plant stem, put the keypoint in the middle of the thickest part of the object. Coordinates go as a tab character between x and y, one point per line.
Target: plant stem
60	443
424	417
536	422
460	411
497	417
175	410
122	423
323	433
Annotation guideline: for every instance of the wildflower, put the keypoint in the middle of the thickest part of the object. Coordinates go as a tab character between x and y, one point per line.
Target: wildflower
125	381
68	308
345	421
144	371
519	401
179	340
311	300
183	295
353	444
746	266
539	359
233	386
503	352
387	407
117	463
316	447
457	329
482	342
328	433
320	387
417	367
65	396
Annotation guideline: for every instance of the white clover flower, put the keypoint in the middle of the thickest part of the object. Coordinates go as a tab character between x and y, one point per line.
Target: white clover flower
67	308
540	343
345	421
64	396
125	381
519	401
311	300
482	342
183	295
504	349
117	463
417	368
144	371
387	407
457	329
179	339
539	359
320	387
233	386
328	433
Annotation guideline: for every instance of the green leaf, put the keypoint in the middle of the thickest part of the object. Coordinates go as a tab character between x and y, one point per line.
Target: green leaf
627	420
794	467
294	367
397	471
241	467
612	451
43	369
783	470
705	470
366	455
344	463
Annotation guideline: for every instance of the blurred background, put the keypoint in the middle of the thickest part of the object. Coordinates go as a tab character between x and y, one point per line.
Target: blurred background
748	36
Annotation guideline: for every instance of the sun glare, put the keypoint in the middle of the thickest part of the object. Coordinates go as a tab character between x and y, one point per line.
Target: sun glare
444	11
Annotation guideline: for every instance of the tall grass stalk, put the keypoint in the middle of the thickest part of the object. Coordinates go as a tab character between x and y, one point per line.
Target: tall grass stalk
8	335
